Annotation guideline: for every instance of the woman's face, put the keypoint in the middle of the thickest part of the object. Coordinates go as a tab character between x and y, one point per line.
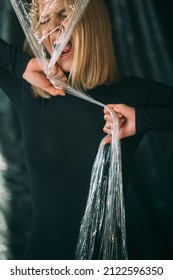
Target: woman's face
53	21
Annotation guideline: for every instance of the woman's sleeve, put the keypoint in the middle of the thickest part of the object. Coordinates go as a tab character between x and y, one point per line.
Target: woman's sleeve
156	112
13	60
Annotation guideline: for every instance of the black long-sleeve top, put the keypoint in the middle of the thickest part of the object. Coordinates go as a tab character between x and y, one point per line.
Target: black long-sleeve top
61	137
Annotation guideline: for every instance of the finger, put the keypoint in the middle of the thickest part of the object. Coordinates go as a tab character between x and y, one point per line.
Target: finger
122	109
107	129
58	79
57	73
121	134
108	114
119	115
108	118
61	77
106	110
60	88
121	122
54	91
37	66
108	140
59	83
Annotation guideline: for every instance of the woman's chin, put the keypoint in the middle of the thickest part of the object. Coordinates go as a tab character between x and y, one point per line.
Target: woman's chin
65	65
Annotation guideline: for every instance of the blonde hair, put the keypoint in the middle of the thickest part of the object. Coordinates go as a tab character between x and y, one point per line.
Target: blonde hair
94	60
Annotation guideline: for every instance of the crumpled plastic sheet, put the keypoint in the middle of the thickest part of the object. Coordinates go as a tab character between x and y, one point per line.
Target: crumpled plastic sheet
102	234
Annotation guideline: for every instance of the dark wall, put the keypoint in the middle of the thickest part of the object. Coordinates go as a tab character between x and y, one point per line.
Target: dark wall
142	31
15	204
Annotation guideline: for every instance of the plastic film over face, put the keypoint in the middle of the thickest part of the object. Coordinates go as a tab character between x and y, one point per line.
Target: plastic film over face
48	26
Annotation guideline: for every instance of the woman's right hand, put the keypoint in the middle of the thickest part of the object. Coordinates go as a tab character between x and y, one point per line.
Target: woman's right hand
35	76
126	118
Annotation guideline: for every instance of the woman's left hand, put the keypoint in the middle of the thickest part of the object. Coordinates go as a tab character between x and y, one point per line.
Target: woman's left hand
126	118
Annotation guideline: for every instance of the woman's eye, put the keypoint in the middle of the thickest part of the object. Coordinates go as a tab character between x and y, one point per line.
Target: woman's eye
61	16
44	20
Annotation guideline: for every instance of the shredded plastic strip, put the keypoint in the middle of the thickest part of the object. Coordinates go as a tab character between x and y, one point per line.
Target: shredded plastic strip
102	234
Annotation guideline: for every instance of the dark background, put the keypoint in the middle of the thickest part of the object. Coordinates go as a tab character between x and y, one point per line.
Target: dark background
142	32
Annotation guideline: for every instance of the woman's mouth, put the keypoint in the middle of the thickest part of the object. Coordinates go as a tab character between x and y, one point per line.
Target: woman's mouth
66	50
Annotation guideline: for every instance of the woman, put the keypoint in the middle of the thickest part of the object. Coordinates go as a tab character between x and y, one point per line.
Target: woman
61	134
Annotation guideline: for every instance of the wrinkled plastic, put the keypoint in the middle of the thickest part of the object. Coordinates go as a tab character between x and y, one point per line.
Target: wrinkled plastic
102	234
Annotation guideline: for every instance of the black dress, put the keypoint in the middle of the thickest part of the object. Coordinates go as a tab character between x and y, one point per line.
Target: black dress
61	138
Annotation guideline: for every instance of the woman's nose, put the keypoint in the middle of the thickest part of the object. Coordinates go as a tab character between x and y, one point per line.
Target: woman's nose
56	31
54	23
55	26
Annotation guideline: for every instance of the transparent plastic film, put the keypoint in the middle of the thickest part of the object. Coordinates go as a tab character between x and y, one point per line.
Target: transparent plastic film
48	26
103	232
34	17
47	20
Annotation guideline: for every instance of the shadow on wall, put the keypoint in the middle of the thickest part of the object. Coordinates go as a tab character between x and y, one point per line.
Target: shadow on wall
15	204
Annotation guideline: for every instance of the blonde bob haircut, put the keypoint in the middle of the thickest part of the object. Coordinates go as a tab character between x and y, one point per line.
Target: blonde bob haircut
94	60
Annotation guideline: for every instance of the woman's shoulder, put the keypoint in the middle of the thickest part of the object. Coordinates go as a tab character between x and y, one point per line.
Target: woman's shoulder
127	84
135	81
132	80
129	90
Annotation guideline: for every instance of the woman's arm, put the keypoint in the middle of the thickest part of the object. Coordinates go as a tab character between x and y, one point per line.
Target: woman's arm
20	64
126	119
153	112
154	119
13	60
156	112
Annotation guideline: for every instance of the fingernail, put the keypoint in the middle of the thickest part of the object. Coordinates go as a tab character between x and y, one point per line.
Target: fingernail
60	87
